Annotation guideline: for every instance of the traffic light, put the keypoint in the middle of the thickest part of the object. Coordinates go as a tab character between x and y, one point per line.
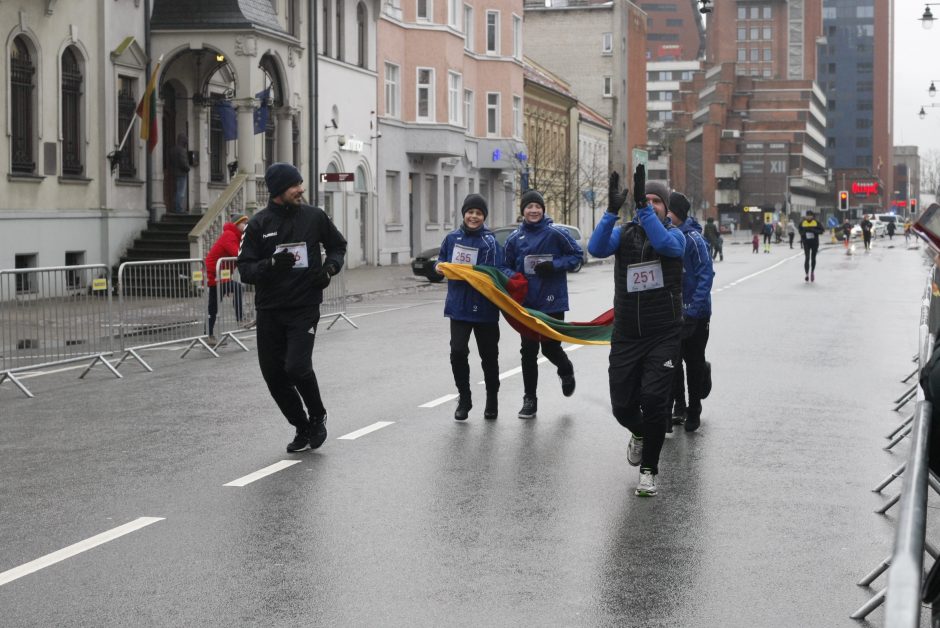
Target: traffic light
843	200
913	206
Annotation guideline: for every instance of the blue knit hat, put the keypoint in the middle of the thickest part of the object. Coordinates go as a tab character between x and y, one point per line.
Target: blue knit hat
280	176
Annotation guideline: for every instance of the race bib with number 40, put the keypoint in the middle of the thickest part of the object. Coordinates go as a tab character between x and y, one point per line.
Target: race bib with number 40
645	276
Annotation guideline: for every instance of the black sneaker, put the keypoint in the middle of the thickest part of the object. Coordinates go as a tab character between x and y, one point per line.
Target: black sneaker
707	380
492	407
463	408
692	423
678	416
300	443
529	407
317	431
567	384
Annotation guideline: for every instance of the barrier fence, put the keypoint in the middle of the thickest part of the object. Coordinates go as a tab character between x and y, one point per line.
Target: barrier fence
59	315
905	566
52	316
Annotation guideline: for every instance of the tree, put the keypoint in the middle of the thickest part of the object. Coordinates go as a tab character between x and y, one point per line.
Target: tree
930	172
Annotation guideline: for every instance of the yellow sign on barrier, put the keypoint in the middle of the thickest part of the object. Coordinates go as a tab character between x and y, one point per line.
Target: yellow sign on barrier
226	273
99	284
197	276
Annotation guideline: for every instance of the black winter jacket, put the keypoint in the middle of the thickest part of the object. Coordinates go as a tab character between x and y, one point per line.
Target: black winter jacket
281	224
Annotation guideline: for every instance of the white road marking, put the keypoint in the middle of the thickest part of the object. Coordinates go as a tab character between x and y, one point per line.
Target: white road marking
396	309
440	400
760	272
82	546
366	430
257	475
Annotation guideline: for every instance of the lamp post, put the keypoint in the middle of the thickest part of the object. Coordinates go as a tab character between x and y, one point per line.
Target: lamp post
926	20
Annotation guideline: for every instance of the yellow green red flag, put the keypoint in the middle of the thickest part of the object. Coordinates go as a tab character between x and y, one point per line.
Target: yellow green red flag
494	285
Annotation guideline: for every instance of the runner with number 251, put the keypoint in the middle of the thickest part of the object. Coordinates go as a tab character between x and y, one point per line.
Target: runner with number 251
645	276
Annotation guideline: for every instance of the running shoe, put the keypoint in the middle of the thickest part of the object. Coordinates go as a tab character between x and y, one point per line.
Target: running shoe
647	485
635	451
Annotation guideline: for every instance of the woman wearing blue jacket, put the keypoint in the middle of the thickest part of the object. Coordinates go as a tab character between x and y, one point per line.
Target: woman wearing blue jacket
468	310
544	254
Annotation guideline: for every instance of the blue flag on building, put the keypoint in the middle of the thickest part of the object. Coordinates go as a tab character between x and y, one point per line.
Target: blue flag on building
262	112
226	113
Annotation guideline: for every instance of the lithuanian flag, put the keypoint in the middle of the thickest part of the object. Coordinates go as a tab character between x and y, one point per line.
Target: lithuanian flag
147	111
500	290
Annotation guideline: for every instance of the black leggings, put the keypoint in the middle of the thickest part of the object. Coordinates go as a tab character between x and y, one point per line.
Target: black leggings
551	349
487	335
810	248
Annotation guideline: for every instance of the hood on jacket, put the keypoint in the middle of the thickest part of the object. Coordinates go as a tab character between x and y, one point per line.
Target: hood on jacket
544	222
690	224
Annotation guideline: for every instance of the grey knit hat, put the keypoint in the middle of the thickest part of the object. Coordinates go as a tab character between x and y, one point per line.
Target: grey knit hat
659	189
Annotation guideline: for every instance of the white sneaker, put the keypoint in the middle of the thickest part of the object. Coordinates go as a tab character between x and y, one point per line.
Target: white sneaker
635	451
647	485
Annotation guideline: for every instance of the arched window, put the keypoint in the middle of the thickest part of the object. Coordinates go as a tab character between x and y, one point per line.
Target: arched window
361	32
72	88
340	27
22	77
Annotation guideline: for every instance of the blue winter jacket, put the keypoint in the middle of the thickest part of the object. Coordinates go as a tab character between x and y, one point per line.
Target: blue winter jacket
463	302
605	240
698	272
546	294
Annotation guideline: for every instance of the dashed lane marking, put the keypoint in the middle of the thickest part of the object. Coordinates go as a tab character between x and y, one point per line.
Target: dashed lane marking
752	275
366	430
257	475
82	546
439	400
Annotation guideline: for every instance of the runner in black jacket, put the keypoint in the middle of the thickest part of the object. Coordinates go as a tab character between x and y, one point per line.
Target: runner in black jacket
280	256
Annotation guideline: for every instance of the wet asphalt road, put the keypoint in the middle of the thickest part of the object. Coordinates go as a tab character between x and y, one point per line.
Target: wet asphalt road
764	516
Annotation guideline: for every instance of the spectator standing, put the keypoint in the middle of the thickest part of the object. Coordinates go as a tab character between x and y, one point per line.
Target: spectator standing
791	232
179	161
468	310
544	254
226	245
644	346
281	257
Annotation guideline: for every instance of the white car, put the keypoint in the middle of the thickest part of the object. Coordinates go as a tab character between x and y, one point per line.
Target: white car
878	229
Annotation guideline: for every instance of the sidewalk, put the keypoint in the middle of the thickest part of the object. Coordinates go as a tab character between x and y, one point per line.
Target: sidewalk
365	281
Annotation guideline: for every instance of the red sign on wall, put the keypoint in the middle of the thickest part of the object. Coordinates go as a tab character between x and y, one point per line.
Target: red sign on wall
866	187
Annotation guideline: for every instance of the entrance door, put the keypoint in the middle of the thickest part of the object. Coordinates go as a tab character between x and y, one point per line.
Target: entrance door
363	212
169	140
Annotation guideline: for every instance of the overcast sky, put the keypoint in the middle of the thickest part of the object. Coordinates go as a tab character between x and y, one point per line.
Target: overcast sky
916	54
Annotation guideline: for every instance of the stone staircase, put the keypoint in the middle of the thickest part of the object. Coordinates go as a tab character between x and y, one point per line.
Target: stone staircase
166	239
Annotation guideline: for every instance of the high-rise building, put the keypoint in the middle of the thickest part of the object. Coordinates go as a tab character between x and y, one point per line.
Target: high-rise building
674	30
855	73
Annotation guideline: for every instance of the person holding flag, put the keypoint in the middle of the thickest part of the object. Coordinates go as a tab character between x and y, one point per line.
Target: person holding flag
644	346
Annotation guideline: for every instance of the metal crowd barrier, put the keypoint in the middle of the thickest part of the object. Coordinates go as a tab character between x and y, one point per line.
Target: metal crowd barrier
334	301
52	316
902	594
162	303
235	301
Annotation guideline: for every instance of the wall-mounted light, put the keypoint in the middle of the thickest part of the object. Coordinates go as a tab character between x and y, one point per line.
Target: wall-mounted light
706	6
219	57
926	20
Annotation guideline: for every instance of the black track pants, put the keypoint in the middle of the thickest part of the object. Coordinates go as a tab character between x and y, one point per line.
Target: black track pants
552	350
487	336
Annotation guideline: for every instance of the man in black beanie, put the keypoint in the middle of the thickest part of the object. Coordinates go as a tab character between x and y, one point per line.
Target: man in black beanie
280	256
545	254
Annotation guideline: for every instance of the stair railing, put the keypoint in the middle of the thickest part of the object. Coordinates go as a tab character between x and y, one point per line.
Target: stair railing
231	202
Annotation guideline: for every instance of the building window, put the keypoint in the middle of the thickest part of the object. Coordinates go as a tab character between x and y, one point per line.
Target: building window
340	30
862	123
22	85
755	54
742	54
492	113
72	87
607	86
425	95
327	29
392	198
766	73
742	13
862	142
425	10
767	32
74	278
865	12
755	34
742	34
674	22
431	186
755	13
468	27
607	43
362	34
453	14
127	104
25	282
392	90
454	93
767	55
767	13
468	110
216	141
864	67
517	37
492	32
516	117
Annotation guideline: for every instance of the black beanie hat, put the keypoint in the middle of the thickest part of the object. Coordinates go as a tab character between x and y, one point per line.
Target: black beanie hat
475	201
531	196
280	176
679	205
658	188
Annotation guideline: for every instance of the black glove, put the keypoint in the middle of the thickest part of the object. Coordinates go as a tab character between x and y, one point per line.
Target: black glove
616	197
331	268
321	278
639	187
282	262
544	269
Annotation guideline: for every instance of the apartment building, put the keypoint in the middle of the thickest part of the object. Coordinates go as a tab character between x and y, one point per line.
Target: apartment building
449	117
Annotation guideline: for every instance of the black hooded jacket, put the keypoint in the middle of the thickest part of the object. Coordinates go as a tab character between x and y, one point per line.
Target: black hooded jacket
282	224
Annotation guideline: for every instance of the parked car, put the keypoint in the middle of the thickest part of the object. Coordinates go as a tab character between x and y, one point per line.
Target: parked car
423	265
878	229
502	234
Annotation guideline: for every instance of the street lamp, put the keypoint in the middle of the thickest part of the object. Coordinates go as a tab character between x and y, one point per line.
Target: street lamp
926	20
922	113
